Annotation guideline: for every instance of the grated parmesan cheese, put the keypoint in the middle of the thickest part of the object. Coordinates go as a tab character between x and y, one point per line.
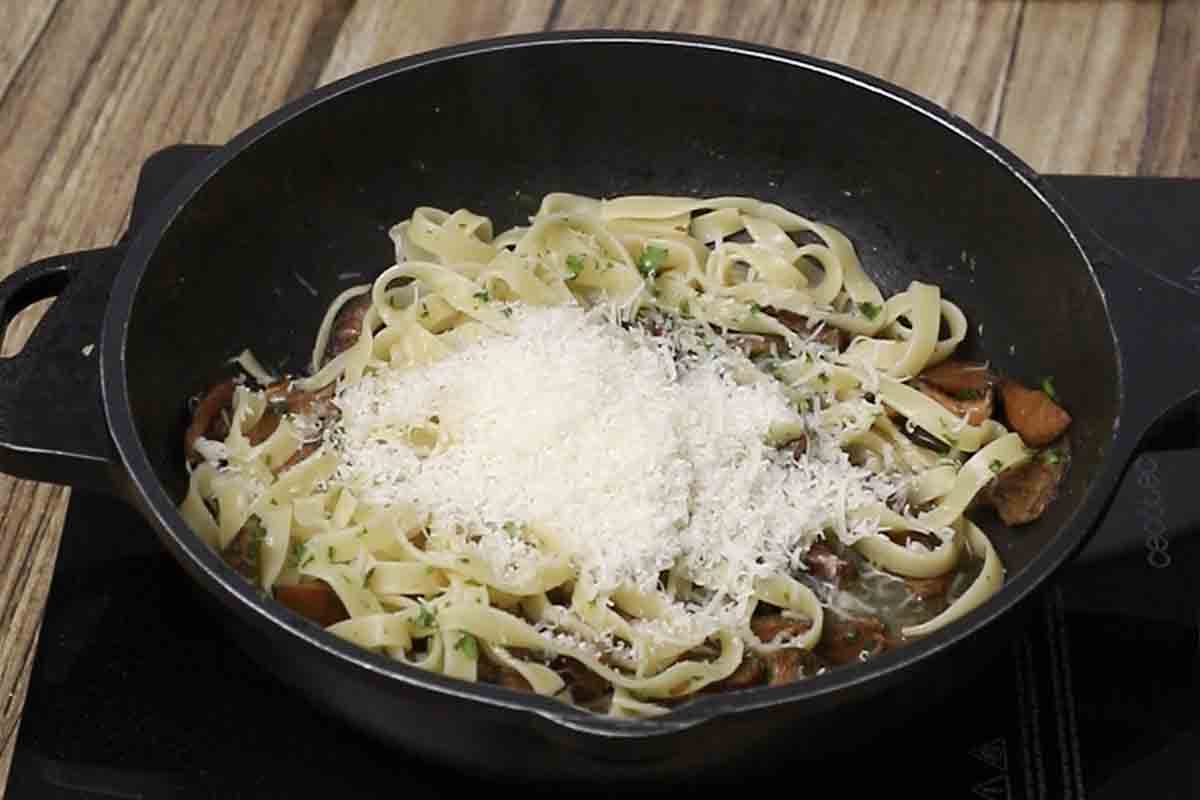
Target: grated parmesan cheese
636	460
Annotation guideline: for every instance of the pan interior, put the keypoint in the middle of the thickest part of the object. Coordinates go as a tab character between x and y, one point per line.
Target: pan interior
303	212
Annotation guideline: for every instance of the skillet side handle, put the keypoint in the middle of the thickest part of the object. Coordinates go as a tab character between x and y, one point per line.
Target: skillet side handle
52	423
1157	323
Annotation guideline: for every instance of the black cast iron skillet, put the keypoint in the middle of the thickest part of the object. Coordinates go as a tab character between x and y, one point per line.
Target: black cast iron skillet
306	196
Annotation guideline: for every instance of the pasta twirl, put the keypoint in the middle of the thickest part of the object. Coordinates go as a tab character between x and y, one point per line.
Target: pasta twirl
638	449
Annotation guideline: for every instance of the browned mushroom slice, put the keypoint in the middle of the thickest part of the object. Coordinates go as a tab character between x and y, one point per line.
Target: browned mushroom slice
502	675
827	335
963	380
930	588
314	600
751	672
347	325
316	402
769	626
827	565
798	446
1021	494
265	426
977	409
242	552
756	344
210	417
1033	414
785	665
585	685
846	640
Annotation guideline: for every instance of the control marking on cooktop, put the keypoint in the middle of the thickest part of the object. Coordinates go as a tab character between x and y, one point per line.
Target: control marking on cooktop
993	753
1193	279
996	788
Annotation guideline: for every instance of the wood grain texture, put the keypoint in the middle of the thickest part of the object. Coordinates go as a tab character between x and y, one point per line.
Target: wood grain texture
955	53
22	24
1079	92
107	84
378	32
89	88
1171	143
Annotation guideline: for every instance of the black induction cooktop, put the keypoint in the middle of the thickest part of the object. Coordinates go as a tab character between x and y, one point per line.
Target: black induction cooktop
137	691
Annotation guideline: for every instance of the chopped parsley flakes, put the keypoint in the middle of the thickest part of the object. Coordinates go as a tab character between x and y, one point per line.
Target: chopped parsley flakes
468	646
297	555
425	617
869	310
650	260
1048	388
574	266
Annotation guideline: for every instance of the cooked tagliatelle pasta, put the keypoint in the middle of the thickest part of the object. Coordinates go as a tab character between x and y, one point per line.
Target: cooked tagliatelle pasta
639	449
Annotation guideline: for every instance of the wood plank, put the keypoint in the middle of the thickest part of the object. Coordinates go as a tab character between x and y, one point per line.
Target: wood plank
31	519
88	88
1172	142
955	54
376	32
108	83
22	25
1080	84
114	82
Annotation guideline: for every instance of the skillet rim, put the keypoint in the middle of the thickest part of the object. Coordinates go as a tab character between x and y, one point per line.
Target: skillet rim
204	565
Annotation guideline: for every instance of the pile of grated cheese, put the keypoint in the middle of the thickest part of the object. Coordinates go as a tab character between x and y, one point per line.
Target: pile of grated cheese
637	461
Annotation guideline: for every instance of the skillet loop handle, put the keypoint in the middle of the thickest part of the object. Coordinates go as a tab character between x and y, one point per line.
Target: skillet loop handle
52	423
1157	322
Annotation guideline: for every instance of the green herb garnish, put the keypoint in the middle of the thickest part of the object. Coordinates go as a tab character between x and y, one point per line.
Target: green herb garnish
685	310
997	466
1048	387
330	553
482	295
256	534
1051	456
574	266
869	310
468	646
755	308
426	618
650	260
255	529
296	555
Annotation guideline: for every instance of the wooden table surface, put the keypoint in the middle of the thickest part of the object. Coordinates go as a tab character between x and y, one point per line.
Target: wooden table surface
90	88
